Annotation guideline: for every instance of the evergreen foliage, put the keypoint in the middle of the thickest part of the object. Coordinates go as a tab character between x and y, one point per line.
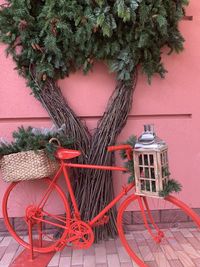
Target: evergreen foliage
170	187
26	139
60	37
129	164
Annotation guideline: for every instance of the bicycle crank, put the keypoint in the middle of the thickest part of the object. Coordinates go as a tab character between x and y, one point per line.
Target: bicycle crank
80	235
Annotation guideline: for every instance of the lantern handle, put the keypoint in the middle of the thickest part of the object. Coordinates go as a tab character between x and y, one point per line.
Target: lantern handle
127	148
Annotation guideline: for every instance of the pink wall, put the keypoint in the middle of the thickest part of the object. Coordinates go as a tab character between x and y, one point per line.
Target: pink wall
172	105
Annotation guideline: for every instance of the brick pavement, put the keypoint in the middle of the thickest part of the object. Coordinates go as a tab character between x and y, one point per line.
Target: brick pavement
181	251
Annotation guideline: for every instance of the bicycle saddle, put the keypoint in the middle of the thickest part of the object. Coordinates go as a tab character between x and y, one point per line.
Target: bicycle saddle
64	153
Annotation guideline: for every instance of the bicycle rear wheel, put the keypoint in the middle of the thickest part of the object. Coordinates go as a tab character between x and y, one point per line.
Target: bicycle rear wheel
21	204
173	236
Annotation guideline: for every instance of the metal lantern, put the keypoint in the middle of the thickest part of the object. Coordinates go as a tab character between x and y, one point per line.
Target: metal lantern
150	163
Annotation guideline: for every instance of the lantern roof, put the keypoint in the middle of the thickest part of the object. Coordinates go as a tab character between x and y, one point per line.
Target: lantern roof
149	140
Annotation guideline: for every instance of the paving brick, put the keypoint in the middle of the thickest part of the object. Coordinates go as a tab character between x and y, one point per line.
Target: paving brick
194	242
126	264
9	254
180	238
181	248
123	255
197	262
161	260
133	245
89	251
66	252
77	257
65	261
169	253
152	264
2	251
6	240
55	260
175	263
100	254
113	260
110	247
185	259
146	253
88	261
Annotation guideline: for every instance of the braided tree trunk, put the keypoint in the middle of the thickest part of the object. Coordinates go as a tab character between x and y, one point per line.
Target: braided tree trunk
94	188
60	112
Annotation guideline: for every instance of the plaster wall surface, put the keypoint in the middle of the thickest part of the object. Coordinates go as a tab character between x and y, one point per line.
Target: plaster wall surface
172	105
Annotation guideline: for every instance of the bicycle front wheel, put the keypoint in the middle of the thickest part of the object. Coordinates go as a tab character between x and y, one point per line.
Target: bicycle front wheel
167	233
21	203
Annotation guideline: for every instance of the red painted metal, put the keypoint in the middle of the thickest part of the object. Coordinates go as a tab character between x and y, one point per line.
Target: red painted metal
77	233
30	235
111	204
40	260
155	237
63	153
120	229
17	237
97	167
119	147
127	148
160	233
71	192
50	188
102	221
187	210
80	235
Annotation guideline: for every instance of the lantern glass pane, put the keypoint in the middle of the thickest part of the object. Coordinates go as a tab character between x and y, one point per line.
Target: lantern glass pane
140	160
153	186
163	172
141	172
142	185
148	186
146	163
152	173
146	172
151	159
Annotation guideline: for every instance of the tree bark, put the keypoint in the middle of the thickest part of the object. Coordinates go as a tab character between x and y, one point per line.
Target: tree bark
93	188
60	112
99	191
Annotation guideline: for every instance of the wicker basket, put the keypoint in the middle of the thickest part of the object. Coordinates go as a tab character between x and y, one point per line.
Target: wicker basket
28	165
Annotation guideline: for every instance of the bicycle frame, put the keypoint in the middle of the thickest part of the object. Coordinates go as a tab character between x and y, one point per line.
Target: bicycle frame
64	168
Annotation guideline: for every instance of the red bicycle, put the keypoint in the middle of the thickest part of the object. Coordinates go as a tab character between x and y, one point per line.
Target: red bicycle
138	216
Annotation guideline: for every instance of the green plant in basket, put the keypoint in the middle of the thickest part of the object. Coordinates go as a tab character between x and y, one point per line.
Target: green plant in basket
31	155
35	139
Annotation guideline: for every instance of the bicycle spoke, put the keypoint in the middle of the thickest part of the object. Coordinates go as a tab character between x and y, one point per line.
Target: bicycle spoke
136	240
29	210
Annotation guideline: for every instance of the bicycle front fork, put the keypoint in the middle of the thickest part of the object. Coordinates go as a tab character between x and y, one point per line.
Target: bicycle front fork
160	234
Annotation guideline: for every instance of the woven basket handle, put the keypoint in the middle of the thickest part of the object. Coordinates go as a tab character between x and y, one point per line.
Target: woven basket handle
55	140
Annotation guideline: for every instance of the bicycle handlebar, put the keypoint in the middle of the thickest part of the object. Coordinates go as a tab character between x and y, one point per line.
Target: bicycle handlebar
128	148
119	147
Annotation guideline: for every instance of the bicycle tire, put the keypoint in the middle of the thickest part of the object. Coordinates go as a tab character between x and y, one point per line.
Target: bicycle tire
134	246
26	187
